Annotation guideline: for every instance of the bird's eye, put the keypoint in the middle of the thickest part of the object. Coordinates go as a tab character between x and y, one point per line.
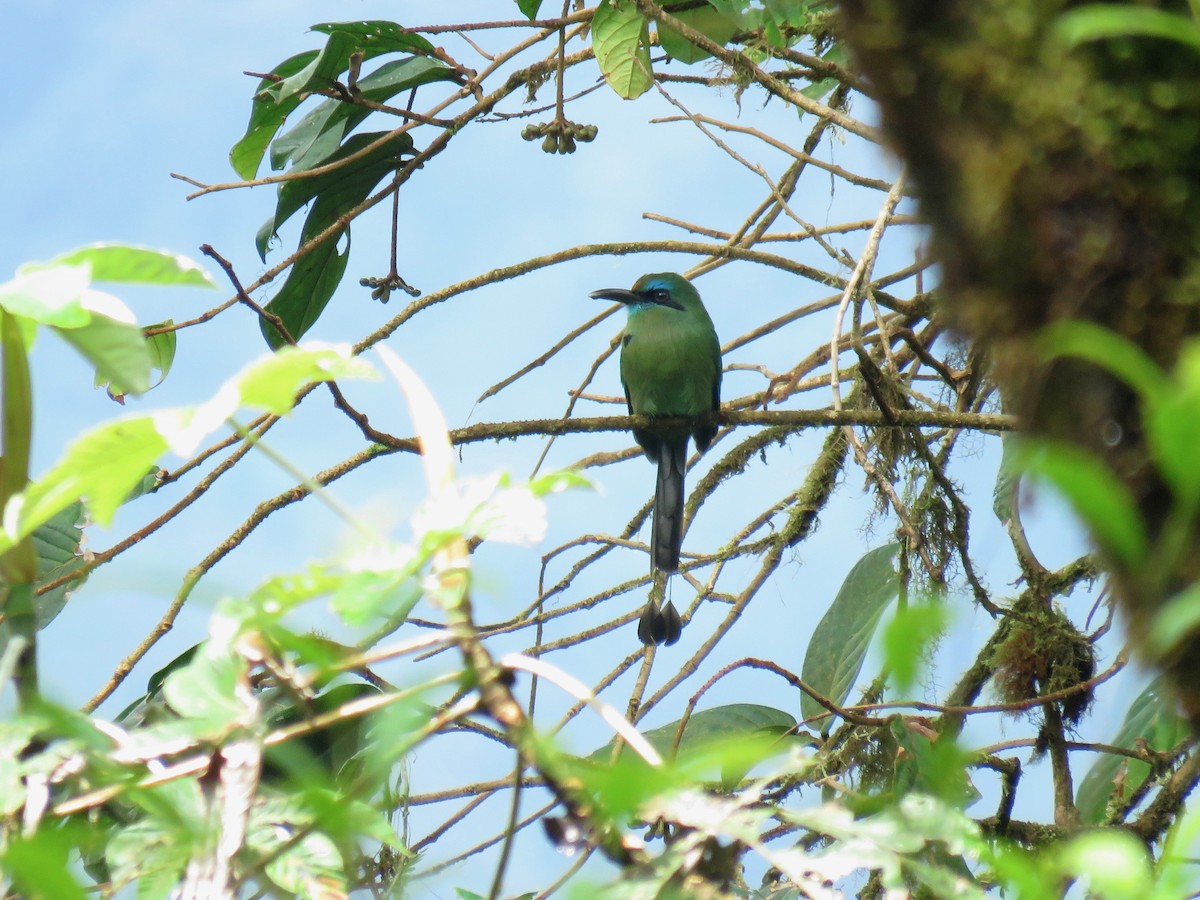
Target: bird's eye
662	295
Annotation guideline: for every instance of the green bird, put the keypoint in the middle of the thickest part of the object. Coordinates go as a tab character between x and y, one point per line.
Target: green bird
670	367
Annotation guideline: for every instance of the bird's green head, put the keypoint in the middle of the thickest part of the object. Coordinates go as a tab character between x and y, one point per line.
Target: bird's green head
658	289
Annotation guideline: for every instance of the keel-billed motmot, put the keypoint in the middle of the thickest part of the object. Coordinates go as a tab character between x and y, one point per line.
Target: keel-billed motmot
670	367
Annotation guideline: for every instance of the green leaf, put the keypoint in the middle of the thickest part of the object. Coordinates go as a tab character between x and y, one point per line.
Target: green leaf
150	853
529	8
102	466
272	382
908	637
38	866
309	287
1008	477
320	132
621	42
1098	497
56	544
1108	350
117	350
376	36
839	643
49	296
161	348
336	191
128	264
1099	21
708	725
1114	863
1152	718
315	276
267	115
708	21
206	690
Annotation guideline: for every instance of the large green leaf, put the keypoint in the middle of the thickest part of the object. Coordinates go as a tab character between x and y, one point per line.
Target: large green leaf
705	19
267	114
320	132
315	276
529	8
1099	498
117	351
107	464
708	725
376	36
336	191
1151	718
314	70
621	42
128	264
1008	477
1098	21
839	643
56	544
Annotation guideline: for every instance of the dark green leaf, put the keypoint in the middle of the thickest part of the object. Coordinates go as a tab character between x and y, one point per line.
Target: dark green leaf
315	276
620	40
708	21
376	36
320	132
1152	718
529	8
336	191
57	546
267	115
839	643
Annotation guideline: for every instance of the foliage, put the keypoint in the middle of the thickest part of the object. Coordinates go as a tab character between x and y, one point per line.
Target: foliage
273	758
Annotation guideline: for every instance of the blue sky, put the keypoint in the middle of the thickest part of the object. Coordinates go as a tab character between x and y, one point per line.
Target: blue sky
104	101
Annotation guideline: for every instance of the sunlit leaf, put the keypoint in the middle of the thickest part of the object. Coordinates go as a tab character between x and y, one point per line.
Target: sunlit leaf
1106	349
839	642
1098	21
1098	497
620	40
272	382
207	690
127	264
908	637
117	350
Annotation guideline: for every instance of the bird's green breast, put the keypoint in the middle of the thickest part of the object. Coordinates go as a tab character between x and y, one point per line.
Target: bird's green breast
669	362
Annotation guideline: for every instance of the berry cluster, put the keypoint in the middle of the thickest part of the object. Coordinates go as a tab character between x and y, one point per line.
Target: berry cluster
559	136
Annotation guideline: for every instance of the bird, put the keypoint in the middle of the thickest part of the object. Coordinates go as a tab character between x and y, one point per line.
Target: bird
670	368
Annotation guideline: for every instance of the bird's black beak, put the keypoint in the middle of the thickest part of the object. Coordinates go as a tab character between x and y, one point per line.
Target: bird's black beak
620	295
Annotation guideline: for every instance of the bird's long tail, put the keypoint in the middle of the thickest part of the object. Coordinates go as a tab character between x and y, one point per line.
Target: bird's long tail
667	525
